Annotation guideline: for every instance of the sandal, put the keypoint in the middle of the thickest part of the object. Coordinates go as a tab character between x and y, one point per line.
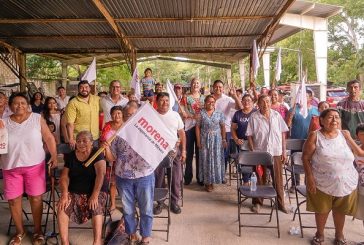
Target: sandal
340	241
316	241
38	239
16	239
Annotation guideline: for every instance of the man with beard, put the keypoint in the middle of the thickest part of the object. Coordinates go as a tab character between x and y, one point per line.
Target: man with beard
82	113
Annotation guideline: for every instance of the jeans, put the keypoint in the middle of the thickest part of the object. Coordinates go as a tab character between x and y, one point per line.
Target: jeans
227	149
141	190
191	148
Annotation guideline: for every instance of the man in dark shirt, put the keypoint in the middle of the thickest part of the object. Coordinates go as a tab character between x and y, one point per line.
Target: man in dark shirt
352	108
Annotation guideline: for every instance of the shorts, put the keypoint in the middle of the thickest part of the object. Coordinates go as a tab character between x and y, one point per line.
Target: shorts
324	203
148	93
31	180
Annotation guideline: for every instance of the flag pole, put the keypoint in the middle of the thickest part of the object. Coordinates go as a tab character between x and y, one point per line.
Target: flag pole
101	149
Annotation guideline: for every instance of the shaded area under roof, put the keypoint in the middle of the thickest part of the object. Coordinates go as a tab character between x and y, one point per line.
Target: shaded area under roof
221	30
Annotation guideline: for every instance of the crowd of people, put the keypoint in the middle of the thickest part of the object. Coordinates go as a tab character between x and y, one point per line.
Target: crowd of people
209	127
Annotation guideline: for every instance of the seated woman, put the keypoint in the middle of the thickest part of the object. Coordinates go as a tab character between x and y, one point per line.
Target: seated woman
82	197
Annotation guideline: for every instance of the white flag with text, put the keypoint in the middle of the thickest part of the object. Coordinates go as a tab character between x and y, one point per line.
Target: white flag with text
148	136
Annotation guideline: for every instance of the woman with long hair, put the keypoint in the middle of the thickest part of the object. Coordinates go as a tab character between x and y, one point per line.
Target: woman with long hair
51	114
36	102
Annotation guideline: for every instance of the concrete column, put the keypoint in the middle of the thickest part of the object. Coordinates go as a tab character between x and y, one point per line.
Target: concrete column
64	74
266	69
242	73
228	76
22	72
321	44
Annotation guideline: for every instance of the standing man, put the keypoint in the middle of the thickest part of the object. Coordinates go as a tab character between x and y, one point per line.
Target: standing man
266	132
114	98
82	113
62	99
352	108
174	122
228	106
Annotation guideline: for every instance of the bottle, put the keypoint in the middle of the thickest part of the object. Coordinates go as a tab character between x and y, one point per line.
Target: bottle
253	182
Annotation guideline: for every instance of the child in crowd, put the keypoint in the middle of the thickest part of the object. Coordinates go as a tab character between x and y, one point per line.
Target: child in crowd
148	83
360	167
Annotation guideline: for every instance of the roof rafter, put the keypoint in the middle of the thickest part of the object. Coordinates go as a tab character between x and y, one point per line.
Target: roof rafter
100	6
126	20
128	37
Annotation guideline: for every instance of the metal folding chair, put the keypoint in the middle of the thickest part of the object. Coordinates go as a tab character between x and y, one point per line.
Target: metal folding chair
163	195
300	191
251	159
292	146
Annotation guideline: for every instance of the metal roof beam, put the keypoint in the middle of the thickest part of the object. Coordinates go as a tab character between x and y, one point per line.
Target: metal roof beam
193	50
128	37
126	20
99	5
268	33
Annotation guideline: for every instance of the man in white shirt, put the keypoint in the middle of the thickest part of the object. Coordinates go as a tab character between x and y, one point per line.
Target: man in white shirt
62	98
266	132
228	106
112	99
174	122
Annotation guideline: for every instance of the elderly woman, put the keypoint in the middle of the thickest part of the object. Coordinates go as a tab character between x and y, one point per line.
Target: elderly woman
135	182
330	174
211	140
82	197
24	164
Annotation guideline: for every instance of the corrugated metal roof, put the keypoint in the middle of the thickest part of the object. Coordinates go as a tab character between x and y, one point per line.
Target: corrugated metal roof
54	29
186	25
24	9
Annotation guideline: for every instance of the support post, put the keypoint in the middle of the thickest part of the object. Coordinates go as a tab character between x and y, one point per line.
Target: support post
228	76
321	44
22	72
266	62
133	61
242	73
64	74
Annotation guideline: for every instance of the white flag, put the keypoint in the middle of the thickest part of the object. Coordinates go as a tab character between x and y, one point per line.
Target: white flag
279	65
135	83
90	74
301	97
147	136
256	64
172	95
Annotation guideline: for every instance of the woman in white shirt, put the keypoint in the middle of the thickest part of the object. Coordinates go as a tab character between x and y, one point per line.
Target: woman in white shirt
330	174
24	164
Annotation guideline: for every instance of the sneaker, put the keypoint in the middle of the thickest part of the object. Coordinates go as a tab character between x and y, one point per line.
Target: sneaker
255	208
157	209
175	209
